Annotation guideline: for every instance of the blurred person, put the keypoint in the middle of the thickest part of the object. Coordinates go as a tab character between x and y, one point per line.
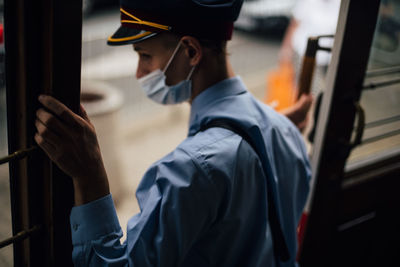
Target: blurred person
231	194
310	18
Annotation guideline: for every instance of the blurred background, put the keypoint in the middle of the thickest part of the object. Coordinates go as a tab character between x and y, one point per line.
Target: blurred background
134	132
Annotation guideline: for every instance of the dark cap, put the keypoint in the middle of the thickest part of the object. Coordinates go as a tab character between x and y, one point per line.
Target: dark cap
204	19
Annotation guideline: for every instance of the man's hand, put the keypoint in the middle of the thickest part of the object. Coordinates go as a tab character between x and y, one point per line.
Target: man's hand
70	141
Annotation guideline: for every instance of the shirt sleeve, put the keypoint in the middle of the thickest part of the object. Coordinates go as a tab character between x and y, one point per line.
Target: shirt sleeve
93	224
177	201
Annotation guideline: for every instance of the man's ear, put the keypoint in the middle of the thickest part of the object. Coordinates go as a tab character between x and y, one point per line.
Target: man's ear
193	49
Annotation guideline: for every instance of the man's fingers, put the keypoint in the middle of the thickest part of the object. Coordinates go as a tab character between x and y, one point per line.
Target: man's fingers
50	122
46	133
48	148
52	104
59	109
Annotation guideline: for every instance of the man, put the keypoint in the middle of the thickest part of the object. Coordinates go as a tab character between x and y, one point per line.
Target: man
230	194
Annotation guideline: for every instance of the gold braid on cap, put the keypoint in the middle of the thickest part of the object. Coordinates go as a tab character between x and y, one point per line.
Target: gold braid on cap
143	22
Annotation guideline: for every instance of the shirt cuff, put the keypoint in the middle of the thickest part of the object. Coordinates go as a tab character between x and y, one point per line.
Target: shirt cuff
93	220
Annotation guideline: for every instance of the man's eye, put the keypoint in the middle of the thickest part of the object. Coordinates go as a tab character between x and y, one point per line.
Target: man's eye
144	56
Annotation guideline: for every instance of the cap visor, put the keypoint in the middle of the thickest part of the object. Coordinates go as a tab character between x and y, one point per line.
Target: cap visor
125	35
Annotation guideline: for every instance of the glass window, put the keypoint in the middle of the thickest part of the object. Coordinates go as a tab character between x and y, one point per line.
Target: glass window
381	96
6	253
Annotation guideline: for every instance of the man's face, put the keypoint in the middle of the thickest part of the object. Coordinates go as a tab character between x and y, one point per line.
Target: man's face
154	54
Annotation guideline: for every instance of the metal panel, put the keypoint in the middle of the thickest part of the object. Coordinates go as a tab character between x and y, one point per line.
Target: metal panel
43	43
335	124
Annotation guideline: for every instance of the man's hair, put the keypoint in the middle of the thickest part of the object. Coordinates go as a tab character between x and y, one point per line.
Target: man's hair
218	47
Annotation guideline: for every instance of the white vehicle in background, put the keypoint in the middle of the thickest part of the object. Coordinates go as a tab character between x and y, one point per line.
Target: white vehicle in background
270	15
89	5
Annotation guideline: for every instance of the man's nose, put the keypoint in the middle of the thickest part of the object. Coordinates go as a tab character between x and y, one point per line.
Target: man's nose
140	73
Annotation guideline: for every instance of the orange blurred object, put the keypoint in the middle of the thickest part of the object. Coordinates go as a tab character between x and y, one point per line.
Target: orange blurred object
281	92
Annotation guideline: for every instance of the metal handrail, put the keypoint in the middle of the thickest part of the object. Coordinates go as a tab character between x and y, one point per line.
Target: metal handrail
374	85
380	137
383	71
377	123
18	155
20	236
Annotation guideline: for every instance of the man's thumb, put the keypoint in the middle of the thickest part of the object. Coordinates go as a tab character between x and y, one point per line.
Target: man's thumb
83	114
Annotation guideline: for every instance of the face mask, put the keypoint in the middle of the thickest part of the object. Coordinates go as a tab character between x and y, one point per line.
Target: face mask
153	84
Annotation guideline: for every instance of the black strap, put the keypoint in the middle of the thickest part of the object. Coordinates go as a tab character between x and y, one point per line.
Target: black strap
280	248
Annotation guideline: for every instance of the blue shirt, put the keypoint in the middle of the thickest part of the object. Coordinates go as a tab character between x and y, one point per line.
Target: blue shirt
205	203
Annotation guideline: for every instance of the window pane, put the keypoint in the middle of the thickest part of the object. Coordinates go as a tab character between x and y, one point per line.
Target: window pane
382	104
6	254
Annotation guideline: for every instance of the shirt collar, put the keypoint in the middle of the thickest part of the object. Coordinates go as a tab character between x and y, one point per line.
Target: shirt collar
206	99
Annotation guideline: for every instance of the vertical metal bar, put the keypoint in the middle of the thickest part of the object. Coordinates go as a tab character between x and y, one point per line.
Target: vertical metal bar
308	66
38	170
48	27
67	55
40	50
66	63
344	83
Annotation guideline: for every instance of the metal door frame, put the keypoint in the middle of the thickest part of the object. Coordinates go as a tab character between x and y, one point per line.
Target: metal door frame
333	196
43	55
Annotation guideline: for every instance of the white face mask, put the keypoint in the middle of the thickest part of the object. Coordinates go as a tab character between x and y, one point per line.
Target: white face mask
153	84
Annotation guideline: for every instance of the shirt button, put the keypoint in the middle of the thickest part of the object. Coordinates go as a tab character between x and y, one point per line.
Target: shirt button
75	227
